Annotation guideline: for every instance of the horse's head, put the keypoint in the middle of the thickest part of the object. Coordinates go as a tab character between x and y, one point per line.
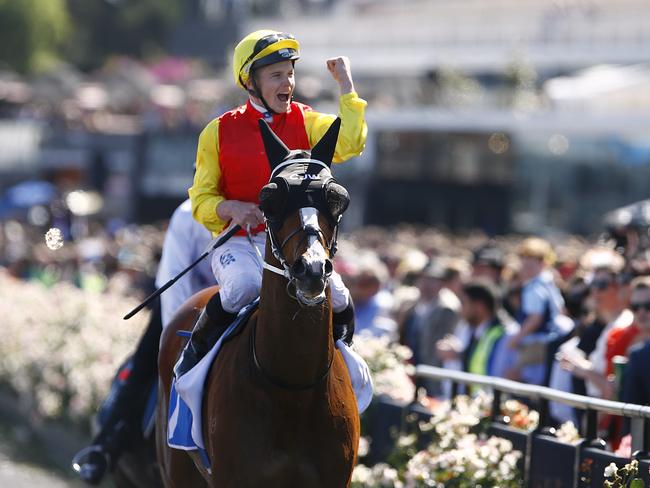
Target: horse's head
302	205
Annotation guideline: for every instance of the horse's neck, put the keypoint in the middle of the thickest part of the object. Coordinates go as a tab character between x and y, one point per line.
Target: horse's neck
294	343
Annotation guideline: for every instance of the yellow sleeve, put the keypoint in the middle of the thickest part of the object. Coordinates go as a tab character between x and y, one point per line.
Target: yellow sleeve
205	193
352	137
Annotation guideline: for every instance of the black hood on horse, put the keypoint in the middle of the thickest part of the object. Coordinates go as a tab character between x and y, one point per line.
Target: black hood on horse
302	179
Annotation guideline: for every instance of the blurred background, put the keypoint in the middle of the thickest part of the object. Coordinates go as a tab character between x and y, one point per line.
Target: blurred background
493	115
486	118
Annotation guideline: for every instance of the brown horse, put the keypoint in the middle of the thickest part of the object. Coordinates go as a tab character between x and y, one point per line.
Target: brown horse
279	409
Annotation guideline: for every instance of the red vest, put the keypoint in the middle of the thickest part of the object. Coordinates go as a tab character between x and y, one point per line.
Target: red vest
242	159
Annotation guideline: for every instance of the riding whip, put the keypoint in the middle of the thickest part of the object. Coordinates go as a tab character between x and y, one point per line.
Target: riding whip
212	247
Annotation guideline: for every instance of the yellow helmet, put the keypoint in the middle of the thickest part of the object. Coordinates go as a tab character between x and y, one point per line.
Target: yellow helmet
261	48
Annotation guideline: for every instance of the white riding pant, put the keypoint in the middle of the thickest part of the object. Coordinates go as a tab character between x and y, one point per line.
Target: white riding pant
238	270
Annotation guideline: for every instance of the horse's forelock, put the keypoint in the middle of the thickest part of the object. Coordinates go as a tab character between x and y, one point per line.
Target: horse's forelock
298	154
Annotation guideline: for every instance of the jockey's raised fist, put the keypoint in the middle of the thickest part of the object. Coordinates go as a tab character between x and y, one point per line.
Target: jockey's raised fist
339	67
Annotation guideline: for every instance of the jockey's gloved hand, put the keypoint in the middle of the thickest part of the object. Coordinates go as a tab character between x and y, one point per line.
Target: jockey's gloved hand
343	322
240	213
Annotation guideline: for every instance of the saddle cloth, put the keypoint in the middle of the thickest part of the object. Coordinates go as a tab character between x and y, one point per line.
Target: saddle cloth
184	417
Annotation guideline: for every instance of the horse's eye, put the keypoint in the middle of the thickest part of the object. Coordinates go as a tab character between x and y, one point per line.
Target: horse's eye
338	199
272	201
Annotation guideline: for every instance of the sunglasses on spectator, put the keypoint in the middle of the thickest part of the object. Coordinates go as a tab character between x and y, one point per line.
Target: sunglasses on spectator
641	305
601	284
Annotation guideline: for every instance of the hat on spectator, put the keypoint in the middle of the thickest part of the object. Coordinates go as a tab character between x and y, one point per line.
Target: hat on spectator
446	269
599	258
536	247
490	255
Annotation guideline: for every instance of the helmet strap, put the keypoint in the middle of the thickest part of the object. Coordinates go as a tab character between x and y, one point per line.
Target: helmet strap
257	93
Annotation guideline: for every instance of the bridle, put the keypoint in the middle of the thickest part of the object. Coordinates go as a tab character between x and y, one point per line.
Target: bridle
307	227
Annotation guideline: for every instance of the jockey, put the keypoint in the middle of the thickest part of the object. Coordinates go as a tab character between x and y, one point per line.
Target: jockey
231	168
185	241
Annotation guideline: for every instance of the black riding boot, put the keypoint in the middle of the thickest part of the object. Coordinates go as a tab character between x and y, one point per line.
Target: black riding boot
211	324
344	324
94	461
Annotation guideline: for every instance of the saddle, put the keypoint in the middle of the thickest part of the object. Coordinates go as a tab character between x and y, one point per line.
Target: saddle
233	329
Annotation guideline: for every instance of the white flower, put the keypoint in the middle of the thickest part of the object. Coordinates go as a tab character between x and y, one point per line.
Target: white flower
62	345
364	446
611	470
388	365
568	433
379	476
361	474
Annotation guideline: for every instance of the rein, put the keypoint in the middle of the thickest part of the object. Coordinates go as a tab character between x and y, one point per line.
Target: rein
279	383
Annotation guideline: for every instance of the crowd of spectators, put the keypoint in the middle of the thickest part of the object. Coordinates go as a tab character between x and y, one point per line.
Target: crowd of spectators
567	313
129	96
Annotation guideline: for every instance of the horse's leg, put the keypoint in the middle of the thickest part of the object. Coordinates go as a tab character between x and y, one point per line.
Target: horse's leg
137	466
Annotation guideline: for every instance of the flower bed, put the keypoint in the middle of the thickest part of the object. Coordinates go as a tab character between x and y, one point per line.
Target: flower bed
61	345
459	453
388	364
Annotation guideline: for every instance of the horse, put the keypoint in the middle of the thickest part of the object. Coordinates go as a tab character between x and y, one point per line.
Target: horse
279	409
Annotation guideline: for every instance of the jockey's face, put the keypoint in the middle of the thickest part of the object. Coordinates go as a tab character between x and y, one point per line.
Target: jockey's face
276	82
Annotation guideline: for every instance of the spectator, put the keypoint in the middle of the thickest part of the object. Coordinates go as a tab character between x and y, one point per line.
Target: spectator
609	300
433	317
488	261
485	352
372	302
541	303
636	382
583	341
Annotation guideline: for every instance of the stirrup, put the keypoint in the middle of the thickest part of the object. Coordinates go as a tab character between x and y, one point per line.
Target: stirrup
205	333
187	361
190	356
91	463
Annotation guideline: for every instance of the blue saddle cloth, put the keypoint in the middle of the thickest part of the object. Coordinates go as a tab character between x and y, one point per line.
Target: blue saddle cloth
179	427
184	416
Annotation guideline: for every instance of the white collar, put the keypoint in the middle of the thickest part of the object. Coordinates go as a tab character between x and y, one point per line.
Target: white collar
257	107
479	331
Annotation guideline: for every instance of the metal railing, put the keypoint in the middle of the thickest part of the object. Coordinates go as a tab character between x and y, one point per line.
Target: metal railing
639	415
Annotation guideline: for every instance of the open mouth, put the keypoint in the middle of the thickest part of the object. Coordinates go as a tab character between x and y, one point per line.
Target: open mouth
283	97
310	300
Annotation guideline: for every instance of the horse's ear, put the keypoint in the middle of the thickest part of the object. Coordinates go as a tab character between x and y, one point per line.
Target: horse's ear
276	151
323	151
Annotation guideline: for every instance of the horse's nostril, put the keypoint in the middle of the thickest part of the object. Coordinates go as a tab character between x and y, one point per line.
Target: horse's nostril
299	268
328	267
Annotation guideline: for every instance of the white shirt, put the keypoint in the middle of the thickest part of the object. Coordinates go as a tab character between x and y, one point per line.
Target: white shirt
185	241
480	330
597	357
